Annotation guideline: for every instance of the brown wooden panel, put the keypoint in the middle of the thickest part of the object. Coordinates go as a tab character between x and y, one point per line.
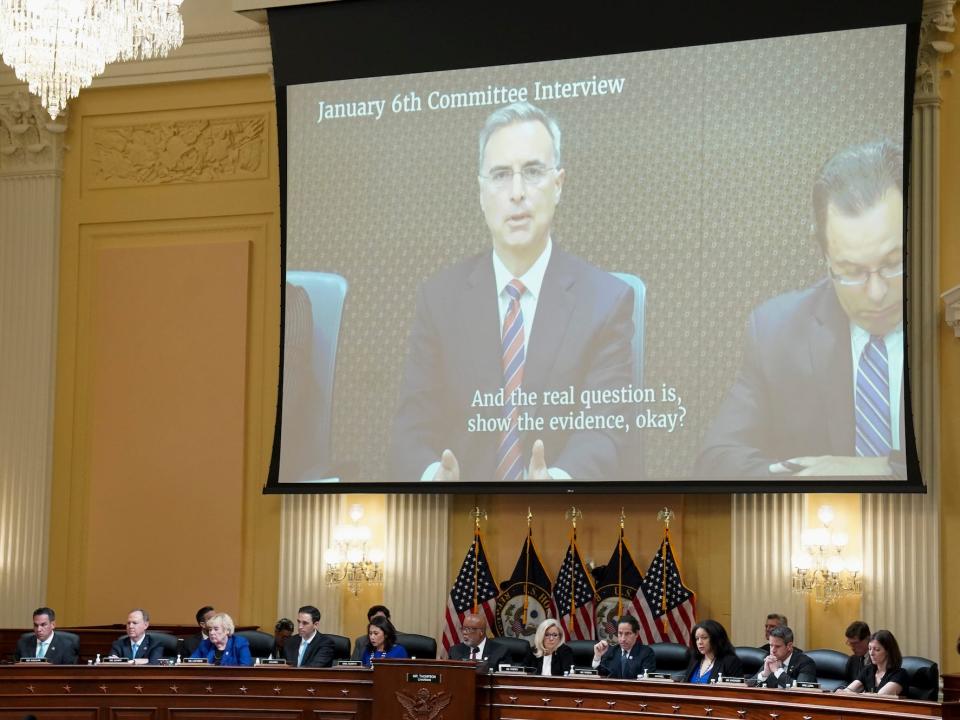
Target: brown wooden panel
117	713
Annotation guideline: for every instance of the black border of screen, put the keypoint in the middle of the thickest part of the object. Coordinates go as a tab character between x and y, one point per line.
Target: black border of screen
373	38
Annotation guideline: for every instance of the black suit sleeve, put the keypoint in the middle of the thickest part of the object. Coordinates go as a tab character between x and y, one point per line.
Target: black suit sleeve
323	655
494	654
117	649
805	670
154	650
359	645
562	660
648	661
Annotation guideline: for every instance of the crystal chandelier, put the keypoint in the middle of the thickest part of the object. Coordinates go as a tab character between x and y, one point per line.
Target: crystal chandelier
349	561
58	46
821	569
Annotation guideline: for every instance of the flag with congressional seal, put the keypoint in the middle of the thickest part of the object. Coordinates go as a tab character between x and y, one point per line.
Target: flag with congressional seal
619	587
575	596
474	591
673	602
526	598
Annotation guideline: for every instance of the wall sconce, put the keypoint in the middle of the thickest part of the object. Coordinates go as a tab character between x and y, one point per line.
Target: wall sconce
349	560
821	569
951	309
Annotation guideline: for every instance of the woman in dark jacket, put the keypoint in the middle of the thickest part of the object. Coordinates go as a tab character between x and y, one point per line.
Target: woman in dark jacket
711	654
550	655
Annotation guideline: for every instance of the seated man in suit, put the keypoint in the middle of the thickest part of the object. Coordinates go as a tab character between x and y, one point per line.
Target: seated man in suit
136	646
192	642
773	620
360	644
858	640
820	387
628	659
785	664
308	648
45	643
476	645
522	315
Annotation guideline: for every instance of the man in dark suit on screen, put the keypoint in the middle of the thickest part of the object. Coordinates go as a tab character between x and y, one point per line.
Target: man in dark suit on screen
309	647
525	316
476	645
628	659
57	648
820	388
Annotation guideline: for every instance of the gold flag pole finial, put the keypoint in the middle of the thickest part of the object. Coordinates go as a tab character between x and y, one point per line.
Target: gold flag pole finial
573	514
665	516
529	517
477	514
623	517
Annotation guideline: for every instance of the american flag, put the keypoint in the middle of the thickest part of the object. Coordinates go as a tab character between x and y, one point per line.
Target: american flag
621	579
575	596
473	591
673	603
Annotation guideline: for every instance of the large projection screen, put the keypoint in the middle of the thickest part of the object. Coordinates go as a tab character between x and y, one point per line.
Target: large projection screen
688	319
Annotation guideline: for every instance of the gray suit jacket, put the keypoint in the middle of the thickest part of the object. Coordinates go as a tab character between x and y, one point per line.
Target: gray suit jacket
581	336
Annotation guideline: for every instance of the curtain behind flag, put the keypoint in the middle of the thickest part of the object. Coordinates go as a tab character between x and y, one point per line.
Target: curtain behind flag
674	603
474	591
619	588
526	599
575	596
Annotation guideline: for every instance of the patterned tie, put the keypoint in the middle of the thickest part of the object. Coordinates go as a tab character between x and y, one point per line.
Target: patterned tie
873	400
509	462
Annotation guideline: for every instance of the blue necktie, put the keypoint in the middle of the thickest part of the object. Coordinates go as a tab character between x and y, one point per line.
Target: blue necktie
303	649
872	403
133	650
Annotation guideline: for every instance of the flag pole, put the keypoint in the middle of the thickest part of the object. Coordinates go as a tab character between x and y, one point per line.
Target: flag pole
664	516
526	569
573	513
620	568
477	514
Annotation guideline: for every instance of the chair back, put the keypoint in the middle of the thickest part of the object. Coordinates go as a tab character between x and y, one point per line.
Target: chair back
169	643
582	652
326	293
517	648
751	658
924	678
341	647
261	643
831	668
418	646
671	658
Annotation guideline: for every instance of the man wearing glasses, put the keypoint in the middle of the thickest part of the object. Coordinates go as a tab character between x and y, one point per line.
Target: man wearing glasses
524	316
820	391
476	645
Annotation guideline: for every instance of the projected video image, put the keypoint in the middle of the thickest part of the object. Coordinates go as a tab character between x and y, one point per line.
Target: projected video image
675	265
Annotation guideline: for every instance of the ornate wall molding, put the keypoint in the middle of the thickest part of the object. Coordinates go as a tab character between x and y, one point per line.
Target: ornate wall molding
937	23
178	151
30	144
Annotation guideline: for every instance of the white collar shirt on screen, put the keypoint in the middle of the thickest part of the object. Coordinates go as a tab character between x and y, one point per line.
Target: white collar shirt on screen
532	280
894	342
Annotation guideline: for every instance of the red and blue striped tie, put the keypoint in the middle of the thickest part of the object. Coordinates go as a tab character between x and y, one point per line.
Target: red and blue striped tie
509	460
872	403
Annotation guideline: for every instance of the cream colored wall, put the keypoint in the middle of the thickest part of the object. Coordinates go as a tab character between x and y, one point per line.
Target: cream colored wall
169	290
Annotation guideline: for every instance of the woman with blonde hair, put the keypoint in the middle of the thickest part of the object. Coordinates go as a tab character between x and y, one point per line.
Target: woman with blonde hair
550	655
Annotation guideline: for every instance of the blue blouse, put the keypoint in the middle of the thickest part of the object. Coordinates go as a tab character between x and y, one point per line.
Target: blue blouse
397	651
702	679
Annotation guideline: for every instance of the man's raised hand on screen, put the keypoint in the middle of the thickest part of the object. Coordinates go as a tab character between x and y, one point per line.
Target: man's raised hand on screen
449	470
538	463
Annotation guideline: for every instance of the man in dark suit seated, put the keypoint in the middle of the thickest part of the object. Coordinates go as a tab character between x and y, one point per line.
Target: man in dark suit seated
820	387
46	643
785	665
857	639
628	659
360	644
137	646
309	648
773	620
476	645
192	642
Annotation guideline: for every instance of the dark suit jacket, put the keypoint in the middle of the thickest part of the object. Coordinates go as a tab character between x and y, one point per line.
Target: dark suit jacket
726	665
581	336
319	652
149	648
493	652
61	651
793	395
191	643
801	668
641	658
855	665
561	662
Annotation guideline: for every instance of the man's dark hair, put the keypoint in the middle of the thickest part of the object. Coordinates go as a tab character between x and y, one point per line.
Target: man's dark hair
310	610
857	629
389	632
854	180
378	609
203	611
283	624
889	643
782	632
629	620
782	619
51	615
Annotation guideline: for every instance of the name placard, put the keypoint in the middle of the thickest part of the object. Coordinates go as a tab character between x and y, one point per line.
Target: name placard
114	660
34	660
656	677
512	669
583	672
192	661
805	685
732	680
271	661
424	678
348	663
